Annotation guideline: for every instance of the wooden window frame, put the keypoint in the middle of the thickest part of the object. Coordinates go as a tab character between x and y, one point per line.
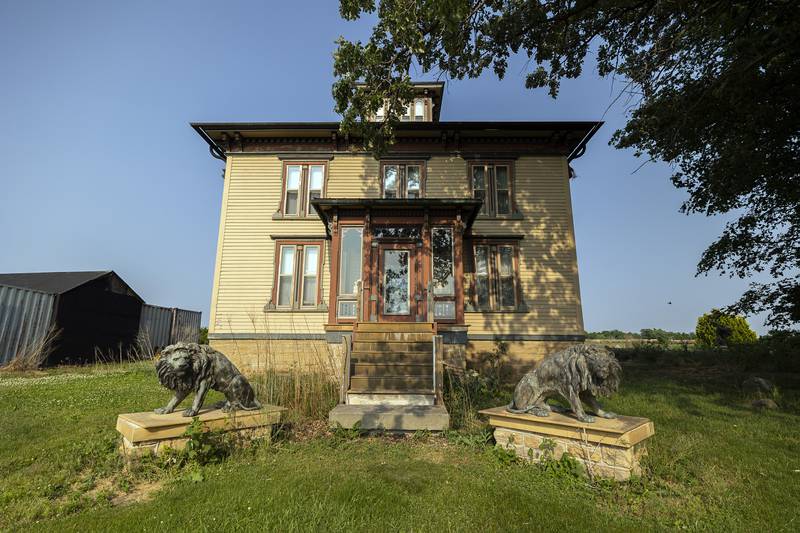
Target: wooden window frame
445	297
341	296
493	274
298	273
402	178
489	209
303	200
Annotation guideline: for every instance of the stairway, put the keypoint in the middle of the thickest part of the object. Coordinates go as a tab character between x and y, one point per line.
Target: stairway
392	379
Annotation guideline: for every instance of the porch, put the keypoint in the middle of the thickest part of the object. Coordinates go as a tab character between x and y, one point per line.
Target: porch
396	260
397	283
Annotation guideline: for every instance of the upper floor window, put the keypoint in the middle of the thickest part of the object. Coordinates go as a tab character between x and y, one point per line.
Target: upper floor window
302	183
492	183
402	180
418	110
496	282
298	266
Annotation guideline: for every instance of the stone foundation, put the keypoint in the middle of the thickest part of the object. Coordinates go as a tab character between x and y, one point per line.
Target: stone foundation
252	356
607	448
515	357
147	432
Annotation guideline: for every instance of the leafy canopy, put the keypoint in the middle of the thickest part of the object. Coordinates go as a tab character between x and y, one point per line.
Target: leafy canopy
716	329
712	89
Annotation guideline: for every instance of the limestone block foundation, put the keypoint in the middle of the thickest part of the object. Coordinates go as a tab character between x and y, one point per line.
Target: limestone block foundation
515	357
148	432
253	356
607	448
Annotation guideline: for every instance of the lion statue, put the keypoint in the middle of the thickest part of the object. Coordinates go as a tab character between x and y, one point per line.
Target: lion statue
186	367
579	373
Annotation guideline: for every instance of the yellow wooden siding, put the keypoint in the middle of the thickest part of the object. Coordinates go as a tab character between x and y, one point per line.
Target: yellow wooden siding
447	178
353	176
245	262
548	271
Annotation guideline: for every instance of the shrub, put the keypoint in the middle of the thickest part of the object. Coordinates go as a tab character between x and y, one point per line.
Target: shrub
716	329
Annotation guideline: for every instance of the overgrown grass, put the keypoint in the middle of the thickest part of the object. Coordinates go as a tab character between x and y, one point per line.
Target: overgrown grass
713	464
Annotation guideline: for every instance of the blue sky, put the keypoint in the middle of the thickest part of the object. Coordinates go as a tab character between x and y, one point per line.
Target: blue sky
102	171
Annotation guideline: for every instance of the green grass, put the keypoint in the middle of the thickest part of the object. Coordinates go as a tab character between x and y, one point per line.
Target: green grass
713	464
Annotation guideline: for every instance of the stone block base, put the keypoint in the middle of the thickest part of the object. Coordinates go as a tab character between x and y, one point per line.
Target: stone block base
391	417
607	448
151	433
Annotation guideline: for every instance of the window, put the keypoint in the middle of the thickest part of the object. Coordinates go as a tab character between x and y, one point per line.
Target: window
350	261
310	275
492	184
286	277
297	279
419	109
294	175
303	182
482	277
496	282
443	276
402	180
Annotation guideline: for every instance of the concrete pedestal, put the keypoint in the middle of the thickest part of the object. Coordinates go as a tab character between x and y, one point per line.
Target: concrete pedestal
151	433
607	448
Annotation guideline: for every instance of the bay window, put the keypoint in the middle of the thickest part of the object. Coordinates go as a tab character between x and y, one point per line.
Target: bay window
492	183
302	183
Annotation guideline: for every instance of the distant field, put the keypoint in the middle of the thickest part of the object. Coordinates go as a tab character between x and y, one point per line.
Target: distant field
713	464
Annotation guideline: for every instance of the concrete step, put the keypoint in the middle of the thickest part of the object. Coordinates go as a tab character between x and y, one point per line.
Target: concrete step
390	383
382	398
394	336
394	327
393	347
391	417
392	369
391	357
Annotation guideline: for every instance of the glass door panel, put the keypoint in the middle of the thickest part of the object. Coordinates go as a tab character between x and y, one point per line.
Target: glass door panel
396	282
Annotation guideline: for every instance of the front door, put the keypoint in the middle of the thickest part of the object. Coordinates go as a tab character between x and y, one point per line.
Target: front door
397	282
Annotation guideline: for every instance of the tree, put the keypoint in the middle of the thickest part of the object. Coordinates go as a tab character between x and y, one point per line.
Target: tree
712	89
717	328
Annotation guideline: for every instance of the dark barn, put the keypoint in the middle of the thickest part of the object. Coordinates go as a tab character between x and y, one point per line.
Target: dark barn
96	312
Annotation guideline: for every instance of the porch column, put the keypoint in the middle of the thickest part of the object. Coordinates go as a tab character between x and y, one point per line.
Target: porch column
426	276
367	311
458	271
333	304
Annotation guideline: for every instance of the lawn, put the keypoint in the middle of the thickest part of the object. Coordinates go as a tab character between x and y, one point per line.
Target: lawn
713	464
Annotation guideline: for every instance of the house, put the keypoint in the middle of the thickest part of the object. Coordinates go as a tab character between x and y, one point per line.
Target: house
77	317
464	230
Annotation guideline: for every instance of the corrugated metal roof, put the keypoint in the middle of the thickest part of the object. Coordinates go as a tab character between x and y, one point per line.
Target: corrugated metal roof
51	282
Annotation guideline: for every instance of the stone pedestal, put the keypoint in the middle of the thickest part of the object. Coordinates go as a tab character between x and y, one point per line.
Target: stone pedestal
607	448
151	433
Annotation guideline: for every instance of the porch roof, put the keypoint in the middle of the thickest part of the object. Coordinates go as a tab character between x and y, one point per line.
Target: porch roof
325	207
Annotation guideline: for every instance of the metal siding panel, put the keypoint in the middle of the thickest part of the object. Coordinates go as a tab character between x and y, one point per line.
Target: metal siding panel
25	319
186	326
156	323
